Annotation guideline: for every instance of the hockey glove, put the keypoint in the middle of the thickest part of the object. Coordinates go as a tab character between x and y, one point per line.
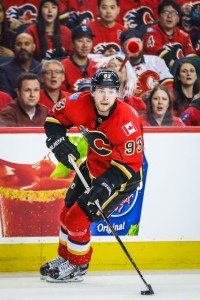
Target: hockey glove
62	147
101	189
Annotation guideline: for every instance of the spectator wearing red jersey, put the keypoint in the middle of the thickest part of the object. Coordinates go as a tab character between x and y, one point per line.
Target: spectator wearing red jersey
4	99
53	75
160	109
21	13
52	39
106	30
151	70
25	111
128	79
186	85
78	66
165	39
191	116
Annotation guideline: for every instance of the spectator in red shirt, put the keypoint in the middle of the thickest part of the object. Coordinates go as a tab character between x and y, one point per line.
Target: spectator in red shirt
53	75
151	70
106	30
78	66
160	109
52	39
165	39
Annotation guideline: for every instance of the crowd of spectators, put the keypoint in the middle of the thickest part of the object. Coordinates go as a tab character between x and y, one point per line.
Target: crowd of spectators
154	48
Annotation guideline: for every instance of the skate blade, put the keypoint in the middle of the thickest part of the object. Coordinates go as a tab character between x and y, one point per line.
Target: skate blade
43	278
65	280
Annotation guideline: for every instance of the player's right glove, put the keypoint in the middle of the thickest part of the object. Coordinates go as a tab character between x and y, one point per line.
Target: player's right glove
62	147
101	190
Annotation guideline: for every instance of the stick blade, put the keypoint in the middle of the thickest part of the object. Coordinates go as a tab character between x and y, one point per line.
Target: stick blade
149	291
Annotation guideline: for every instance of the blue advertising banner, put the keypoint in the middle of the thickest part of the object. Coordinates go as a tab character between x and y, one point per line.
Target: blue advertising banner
126	218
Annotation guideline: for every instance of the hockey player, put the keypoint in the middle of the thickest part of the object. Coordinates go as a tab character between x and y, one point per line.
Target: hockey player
112	168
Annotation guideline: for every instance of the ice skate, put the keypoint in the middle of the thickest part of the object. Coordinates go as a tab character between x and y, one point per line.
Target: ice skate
44	269
67	272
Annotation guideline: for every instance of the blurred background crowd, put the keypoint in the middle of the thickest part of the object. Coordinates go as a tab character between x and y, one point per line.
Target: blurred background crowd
50	49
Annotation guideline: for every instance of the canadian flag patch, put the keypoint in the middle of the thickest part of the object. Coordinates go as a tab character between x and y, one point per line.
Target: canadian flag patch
129	128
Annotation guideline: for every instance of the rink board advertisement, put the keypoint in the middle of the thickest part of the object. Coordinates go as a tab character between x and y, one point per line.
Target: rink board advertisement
33	186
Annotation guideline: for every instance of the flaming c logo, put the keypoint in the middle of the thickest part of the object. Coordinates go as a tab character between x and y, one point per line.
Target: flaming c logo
97	140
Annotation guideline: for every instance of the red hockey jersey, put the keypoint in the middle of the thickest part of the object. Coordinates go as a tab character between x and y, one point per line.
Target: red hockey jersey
123	150
66	41
157	42
191	116
105	38
26	10
46	100
74	74
21	10
87	9
4	99
151	72
134	13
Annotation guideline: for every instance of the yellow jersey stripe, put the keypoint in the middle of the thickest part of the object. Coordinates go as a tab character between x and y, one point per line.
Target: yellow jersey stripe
52	120
122	168
63	242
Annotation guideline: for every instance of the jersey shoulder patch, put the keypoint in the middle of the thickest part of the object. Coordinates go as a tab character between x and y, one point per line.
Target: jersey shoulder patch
74	96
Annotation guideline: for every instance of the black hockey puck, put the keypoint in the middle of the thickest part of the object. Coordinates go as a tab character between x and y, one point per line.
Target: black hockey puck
149	291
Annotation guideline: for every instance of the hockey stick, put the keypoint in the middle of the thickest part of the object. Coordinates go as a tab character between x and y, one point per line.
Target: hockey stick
149	290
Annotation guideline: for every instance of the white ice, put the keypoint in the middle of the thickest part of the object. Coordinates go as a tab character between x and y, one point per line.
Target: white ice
123	285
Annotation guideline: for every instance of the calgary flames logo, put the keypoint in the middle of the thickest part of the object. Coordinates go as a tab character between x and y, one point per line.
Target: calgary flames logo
25	12
137	17
97	140
106	47
146	82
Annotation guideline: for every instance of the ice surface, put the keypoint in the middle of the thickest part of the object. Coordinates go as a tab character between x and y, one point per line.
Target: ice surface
122	285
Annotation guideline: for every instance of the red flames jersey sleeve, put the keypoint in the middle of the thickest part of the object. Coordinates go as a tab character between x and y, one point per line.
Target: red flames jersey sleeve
123	150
